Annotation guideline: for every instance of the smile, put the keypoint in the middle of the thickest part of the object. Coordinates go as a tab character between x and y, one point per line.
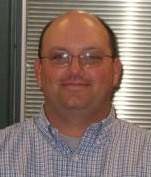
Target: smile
75	85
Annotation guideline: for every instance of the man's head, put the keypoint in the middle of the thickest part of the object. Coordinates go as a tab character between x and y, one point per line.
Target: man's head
112	38
79	68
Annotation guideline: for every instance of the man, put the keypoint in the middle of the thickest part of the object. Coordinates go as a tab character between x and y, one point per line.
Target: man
76	133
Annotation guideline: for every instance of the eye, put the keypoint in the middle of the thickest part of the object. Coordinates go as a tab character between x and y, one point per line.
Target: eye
93	57
59	57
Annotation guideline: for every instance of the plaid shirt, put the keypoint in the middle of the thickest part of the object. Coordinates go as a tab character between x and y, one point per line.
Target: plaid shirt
112	148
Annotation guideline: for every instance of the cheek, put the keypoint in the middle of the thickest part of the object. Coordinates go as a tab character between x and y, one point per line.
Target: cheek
50	79
104	79
101	75
46	79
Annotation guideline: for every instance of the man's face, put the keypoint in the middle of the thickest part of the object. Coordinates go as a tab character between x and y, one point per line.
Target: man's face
77	87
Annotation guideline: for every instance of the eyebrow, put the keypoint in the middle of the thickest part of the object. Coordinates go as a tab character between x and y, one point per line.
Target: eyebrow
58	48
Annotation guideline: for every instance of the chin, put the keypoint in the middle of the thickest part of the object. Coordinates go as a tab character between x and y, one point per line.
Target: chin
74	106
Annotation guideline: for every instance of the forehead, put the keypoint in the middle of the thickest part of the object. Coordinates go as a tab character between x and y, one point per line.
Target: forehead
75	28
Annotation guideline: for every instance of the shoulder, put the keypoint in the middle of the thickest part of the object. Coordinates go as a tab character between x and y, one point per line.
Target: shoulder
16	132
130	126
132	133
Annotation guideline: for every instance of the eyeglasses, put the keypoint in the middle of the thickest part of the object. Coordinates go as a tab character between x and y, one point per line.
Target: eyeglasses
64	59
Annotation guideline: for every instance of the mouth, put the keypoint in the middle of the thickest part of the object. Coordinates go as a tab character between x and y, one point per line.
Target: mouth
75	85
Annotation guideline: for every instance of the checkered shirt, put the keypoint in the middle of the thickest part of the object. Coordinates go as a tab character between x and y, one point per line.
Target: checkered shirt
112	148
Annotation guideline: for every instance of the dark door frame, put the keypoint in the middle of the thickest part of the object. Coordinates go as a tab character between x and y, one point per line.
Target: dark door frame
10	61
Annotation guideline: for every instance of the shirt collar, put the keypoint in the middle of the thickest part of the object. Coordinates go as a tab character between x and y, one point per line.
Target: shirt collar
103	123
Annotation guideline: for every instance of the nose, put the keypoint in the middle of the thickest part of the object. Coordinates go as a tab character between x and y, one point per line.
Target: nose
75	66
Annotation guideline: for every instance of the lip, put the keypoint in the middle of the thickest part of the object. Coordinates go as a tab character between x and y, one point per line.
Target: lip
75	85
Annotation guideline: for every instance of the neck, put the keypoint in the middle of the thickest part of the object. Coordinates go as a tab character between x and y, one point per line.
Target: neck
74	123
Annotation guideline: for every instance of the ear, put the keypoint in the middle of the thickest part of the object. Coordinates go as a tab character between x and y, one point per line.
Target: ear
117	73
37	70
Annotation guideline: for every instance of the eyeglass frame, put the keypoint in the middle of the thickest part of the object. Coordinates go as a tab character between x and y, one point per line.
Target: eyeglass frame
81	59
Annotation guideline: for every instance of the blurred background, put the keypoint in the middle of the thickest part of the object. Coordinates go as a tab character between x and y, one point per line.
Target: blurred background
21	25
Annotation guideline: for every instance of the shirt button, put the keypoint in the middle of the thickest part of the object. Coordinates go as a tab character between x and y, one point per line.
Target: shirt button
98	142
53	132
76	158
